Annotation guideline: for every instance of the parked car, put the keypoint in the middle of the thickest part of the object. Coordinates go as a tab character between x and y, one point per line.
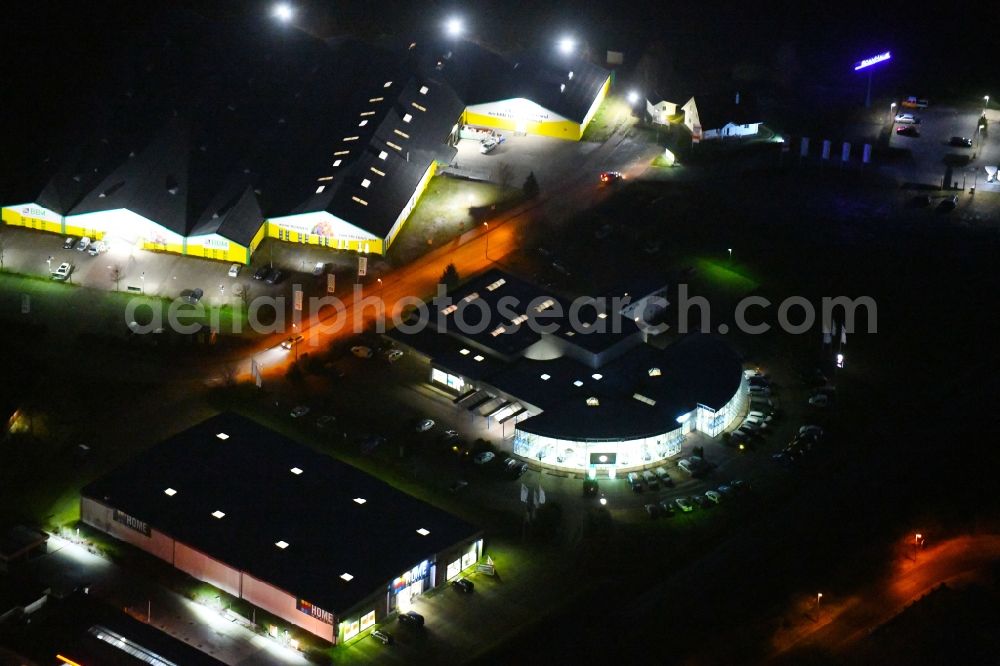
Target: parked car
483	457
412	618
383	636
63	271
234	270
948	203
684	505
291	342
908	130
192	296
69	243
560	267
262	273
661	474
700	501
488	145
634	483
960	142
819	400
811	430
667	507
275	276
393	355
653	510
448	436
762	391
362	352
650	480
424	425
83	244
325	421
713	496
319	268
907	119
611	176
96	248
299	411
603	231
464	585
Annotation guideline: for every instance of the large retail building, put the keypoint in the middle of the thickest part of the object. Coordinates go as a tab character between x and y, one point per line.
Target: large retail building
581	386
298	534
209	137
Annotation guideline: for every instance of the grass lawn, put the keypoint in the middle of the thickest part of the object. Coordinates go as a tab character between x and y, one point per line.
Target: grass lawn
613	113
449	207
72	310
724	276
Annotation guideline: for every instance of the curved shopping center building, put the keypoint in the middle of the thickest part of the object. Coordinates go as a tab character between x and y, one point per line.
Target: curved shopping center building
589	393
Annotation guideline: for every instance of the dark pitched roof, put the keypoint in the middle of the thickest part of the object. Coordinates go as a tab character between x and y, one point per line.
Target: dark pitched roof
248	477
717	110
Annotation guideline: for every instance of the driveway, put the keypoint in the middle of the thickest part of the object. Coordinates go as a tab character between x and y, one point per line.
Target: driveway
550	159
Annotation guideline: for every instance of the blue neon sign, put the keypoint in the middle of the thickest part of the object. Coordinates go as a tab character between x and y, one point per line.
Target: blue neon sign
874	60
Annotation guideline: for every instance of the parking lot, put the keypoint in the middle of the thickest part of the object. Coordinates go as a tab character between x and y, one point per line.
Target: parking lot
930	160
166	275
550	159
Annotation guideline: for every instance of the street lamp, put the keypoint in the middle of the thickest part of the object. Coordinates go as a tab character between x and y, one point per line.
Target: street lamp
730	254
986	103
454	27
892	113
566	45
49	260
604	501
819	596
633	97
487	233
283	12
917	539
142	282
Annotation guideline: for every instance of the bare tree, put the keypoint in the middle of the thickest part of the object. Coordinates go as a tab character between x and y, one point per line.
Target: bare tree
116	275
242	291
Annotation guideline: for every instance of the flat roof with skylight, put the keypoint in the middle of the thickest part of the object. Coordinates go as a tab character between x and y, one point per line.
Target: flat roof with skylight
306	523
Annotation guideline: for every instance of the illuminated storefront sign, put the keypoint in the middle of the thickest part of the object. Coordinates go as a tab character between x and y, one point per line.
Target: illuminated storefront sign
418	572
351	629
874	60
314	611
131	522
367	620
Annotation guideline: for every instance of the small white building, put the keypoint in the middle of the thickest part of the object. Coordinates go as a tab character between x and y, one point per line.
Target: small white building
721	117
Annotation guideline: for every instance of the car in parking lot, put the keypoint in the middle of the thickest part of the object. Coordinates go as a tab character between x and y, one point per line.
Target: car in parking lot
915	103
960	142
412	618
651	481
299	411
382	636
393	355
464	585
325	421
634	483
684	504
318	268
262	273
62	273
819	400
653	510
192	296
700	501
907	119
362	352
83	244
424	425
274	276
811	430
713	496
908	130
611	176
948	203
667	506
234	270
69	243
483	457
488	144
661	474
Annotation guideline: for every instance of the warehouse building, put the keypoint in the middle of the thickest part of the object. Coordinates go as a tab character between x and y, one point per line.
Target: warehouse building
580	387
209	137
298	534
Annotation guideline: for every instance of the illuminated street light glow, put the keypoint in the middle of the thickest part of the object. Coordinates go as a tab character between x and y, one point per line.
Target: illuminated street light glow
283	12
604	501
633	97
567	45
454	27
